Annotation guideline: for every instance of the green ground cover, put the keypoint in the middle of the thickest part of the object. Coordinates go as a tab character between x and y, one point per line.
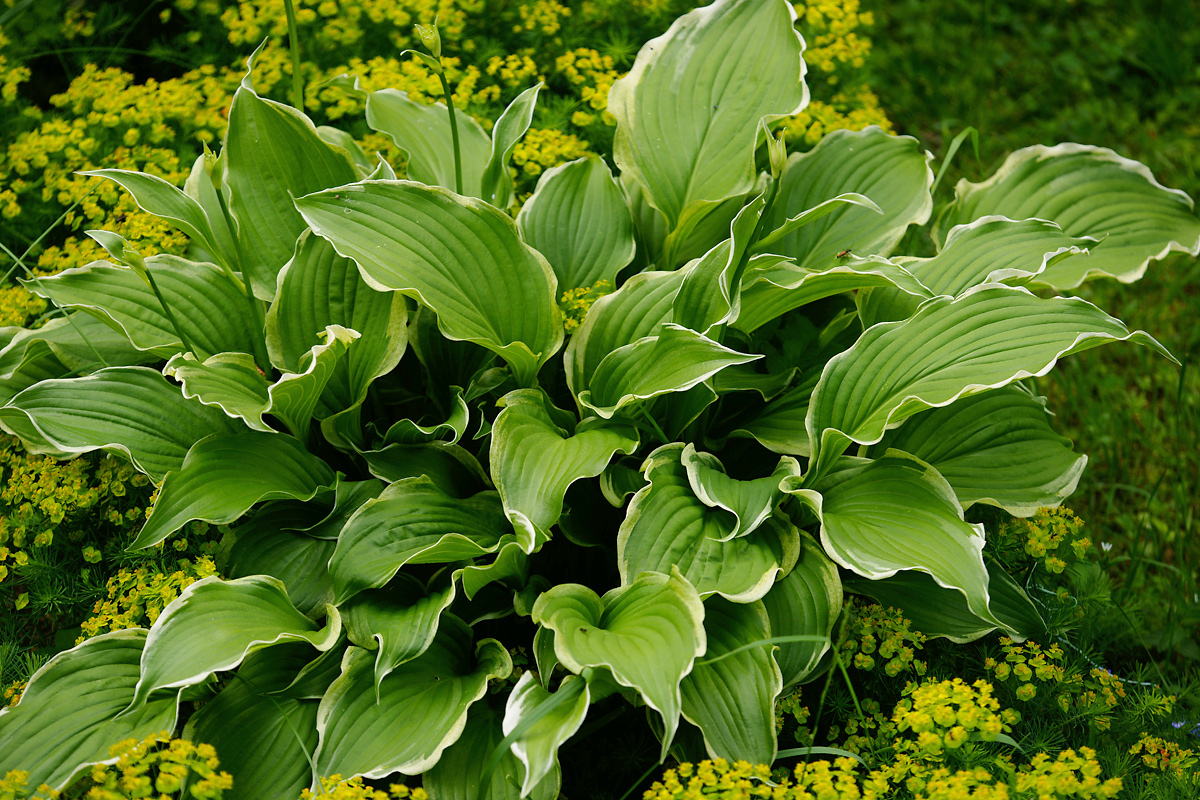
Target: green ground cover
1110	688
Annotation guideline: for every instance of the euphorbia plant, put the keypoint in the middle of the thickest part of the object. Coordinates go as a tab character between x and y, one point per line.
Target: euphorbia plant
369	375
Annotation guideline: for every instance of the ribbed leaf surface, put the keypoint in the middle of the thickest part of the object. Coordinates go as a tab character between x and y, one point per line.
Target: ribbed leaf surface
806	601
537	748
1088	191
229	381
748	502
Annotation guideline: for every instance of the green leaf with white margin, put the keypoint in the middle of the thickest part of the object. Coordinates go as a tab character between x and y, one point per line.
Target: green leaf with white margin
1089	191
262	547
806	601
666	526
133	411
262	738
939	612
996	448
422	131
731	695
224	475
988	337
779	427
773	288
413	521
633	312
459	771
421	707
534	460
674	360
988	250
577	218
496	185
231	382
319	288
750	502
891	170
648	633
295	395
895	513
537	748
164	200
460	256
688	112
210	310
405	431
273	154
77	341
67	719
214	624
795	223
399	622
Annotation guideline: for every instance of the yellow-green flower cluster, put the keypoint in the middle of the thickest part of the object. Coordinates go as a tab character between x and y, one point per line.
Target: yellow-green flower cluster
135	598
12	696
576	302
864	734
11	77
40	496
334	788
1052	536
542	149
15	786
542	15
1070	774
594	74
944	715
875	634
1163	756
1029	664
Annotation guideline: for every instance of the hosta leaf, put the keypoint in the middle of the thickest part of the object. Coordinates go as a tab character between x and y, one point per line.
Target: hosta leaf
711	290
496	184
129	410
1089	191
936	611
577	218
795	223
255	730
459	256
890	170
164	200
648	634
413	522
398	622
295	395
67	720
636	310
537	748
319	288
210	309
422	131
996	448
667	526
534	460
214	624
297	560
421	707
895	513
749	502
779	427
688	112
674	360
450	466
202	186
986	338
459	771
405	431
773	289
806	601
274	154
732	700
988	250
223	476
230	381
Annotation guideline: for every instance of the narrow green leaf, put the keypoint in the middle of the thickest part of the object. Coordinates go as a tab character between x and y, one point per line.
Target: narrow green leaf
459	256
67	718
129	410
224	475
1088	191
577	218
496	184
647	633
421	707
214	624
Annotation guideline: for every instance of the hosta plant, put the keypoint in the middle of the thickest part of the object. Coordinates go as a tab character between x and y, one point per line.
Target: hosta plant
371	378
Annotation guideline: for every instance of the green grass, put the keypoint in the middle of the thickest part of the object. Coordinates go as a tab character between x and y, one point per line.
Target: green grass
1124	76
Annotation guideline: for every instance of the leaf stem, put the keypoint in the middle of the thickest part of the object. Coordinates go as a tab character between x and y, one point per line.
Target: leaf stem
458	187
162	301
294	47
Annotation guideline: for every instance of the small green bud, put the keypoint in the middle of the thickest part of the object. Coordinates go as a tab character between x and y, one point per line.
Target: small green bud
429	36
